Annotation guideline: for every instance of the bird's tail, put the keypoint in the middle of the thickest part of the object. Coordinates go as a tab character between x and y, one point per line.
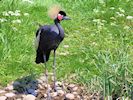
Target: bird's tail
40	56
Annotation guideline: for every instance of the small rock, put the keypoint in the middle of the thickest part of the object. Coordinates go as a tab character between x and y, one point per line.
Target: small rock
29	97
58	84
75	93
58	88
18	99
43	78
3	97
70	96
60	92
54	94
9	88
9	95
40	81
71	85
75	88
45	95
40	86
2	91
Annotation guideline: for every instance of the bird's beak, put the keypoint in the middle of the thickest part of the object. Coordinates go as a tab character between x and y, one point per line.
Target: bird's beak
66	18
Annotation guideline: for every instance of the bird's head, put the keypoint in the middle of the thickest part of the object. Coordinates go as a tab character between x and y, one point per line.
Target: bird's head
56	13
62	16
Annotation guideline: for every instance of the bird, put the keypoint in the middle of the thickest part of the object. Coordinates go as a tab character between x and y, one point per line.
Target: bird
48	38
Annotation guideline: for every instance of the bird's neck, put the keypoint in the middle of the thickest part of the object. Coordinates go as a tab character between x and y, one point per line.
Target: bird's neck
61	31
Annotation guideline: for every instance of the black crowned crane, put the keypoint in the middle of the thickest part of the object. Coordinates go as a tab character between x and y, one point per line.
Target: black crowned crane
48	38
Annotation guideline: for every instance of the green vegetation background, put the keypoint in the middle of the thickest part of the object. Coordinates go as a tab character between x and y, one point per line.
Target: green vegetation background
97	50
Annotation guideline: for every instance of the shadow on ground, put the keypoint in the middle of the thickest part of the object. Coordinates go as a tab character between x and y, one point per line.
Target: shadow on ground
26	85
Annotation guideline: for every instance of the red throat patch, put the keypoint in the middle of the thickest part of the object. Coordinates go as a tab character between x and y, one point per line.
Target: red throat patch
60	17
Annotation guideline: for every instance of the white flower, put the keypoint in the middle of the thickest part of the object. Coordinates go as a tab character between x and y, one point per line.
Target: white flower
17	11
64	53
126	27
113	24
5	13
101	1
112	8
120	14
121	10
26	14
66	46
3	20
10	12
95	10
102	12
14	28
16	21
29	1
96	20
129	17
113	18
17	14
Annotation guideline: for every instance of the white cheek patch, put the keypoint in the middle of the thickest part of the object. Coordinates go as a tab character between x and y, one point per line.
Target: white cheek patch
60	16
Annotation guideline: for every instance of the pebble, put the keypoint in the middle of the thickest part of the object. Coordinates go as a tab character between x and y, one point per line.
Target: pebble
58	88
71	85
18	99
58	84
9	95
43	78
70	96
3	97
75	88
37	90
60	92
54	94
29	97
2	91
9	88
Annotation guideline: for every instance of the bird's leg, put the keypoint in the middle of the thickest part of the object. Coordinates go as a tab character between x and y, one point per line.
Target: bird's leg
54	71
46	75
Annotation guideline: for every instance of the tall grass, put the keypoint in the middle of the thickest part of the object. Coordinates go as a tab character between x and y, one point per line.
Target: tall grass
97	50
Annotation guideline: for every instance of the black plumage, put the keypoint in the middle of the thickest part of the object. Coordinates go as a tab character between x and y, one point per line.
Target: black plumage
49	37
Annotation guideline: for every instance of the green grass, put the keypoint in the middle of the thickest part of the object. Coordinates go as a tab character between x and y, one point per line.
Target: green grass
100	39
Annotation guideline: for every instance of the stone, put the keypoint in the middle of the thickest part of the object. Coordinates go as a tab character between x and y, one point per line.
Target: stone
18	99
29	97
43	78
70	86
10	95
54	94
40	81
75	93
58	88
70	96
45	95
58	84
3	97
75	89
40	86
60	92
2	91
9	88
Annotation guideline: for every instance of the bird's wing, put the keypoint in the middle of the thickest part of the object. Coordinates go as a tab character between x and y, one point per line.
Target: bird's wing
36	41
46	35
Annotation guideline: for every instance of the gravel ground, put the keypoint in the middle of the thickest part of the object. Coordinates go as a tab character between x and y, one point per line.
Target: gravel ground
36	89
